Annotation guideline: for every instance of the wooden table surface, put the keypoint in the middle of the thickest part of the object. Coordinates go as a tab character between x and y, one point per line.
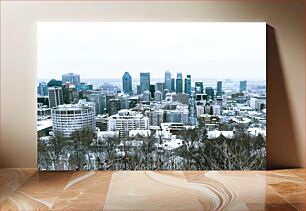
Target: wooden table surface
29	189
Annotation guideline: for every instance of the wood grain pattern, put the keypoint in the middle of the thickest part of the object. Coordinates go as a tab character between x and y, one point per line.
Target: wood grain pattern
28	189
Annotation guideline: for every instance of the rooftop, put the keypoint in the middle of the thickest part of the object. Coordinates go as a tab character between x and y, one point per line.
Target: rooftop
43	124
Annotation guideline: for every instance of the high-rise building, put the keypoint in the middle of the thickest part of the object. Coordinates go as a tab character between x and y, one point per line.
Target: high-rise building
219	88
70	94
201	98
71	78
133	101
164	94
124	101
172	85
100	102
167	80
179	83
152	90
187	86
146	96
253	102
219	101
210	93
160	86
216	110
42	89
158	96
138	90
208	109
200	110
72	117
113	106
127	83
243	86
144	82
55	96
199	88
156	117
127	120
177	115
108	97
181	97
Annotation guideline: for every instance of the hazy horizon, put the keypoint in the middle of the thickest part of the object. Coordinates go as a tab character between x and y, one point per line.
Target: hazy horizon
161	79
202	49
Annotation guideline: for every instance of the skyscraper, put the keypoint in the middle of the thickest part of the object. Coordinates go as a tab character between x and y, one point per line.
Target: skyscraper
146	96
100	102
138	90
172	85
55	96
42	89
133	101
160	86
210	93
187	87
158	96
156	117
152	90
70	94
199	87
124	101
113	106
71	78
179	83
144	82
219	88
127	83
168	80
243	86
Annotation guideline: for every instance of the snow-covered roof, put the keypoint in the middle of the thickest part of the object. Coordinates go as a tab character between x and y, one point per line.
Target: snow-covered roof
133	143
154	127
170	145
145	133
243	120
43	124
216	133
105	134
166	134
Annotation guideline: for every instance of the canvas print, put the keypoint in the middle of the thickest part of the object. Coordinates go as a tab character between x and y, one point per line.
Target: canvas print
151	96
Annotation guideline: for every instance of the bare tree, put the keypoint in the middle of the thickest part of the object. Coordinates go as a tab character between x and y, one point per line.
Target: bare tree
243	152
43	157
81	141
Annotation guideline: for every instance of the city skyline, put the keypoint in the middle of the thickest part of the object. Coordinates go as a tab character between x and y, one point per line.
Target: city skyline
129	83
170	75
183	96
104	126
197	48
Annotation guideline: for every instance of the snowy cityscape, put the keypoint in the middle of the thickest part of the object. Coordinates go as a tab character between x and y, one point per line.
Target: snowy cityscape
177	122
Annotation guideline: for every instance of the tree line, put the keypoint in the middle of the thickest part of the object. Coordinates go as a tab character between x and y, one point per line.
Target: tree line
85	151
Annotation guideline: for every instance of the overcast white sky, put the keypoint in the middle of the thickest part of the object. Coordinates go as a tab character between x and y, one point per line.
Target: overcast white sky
107	49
